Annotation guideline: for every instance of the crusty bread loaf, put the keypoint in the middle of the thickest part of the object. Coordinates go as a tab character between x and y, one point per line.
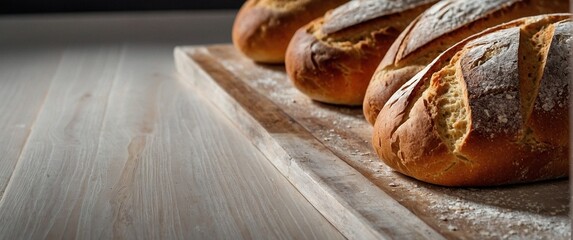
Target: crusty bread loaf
435	30
492	109
263	28
332	58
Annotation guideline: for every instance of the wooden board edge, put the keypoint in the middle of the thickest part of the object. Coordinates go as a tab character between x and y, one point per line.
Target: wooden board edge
309	175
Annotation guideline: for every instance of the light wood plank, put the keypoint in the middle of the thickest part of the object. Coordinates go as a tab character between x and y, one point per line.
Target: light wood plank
264	104
59	153
122	150
25	76
351	202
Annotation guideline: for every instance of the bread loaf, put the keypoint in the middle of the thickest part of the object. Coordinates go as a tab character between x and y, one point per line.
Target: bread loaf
439	27
492	109
332	58
263	28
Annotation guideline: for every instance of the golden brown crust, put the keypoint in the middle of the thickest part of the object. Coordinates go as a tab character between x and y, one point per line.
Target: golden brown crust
315	58
438	28
495	146
263	28
549	110
332	58
361	11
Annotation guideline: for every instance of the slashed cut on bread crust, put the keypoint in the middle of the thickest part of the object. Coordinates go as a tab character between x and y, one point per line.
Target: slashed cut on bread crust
491	110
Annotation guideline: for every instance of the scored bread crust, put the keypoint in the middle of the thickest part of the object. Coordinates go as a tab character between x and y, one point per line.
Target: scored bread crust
263	28
435	30
332	58
485	111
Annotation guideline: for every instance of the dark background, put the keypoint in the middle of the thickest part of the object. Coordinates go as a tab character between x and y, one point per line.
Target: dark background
63	6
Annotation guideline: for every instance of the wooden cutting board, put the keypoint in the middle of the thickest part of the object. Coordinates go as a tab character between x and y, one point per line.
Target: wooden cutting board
325	151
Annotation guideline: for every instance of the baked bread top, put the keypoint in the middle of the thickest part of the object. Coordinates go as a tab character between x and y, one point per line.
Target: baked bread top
468	16
361	11
332	58
435	30
492	109
263	28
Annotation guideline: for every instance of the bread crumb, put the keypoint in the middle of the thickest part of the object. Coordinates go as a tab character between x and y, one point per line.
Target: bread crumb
547	106
502	119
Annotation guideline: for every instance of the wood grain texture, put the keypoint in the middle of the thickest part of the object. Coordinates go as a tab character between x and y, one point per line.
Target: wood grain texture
120	149
261	101
352	203
22	95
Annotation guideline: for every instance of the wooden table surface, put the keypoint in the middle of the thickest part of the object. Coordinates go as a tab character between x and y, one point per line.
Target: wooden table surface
100	139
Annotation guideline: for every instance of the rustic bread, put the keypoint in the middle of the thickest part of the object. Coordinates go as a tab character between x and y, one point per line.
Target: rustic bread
492	109
439	27
332	58
263	28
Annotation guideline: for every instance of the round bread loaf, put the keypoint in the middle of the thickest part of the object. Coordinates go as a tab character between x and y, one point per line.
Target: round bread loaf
435	30
263	28
492	109
332	58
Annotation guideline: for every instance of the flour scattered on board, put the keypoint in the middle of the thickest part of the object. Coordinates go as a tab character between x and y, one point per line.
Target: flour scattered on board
479	213
457	212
